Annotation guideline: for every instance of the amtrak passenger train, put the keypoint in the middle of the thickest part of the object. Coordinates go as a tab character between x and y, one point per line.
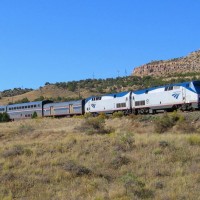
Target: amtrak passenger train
184	96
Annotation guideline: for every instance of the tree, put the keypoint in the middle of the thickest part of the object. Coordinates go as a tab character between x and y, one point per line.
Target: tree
34	115
4	117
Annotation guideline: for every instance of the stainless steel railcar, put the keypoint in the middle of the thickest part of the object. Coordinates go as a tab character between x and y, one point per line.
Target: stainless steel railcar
26	110
64	108
3	109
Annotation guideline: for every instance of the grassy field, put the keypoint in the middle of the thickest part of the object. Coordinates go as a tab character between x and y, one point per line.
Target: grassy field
96	159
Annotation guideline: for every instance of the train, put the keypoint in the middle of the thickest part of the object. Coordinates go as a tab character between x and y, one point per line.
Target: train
183	96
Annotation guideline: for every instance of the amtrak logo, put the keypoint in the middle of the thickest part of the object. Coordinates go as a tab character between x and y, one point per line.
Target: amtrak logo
176	95
93	105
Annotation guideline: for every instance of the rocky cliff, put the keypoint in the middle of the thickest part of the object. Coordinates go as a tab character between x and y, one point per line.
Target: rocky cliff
190	63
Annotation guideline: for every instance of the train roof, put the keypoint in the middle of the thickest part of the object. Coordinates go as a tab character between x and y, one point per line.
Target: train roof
117	94
29	103
183	84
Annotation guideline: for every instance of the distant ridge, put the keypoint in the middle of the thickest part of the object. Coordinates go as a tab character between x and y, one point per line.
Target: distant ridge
190	63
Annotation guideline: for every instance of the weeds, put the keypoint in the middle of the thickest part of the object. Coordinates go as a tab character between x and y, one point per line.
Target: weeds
194	140
94	125
15	151
118	114
167	121
25	129
63	164
125	142
119	161
76	170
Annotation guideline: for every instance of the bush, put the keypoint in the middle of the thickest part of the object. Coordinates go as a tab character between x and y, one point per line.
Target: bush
94	125
194	140
126	142
34	115
167	121
119	161
4	117
76	170
14	151
118	114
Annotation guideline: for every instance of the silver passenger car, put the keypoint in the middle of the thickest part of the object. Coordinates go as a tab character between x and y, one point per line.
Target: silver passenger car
3	109
25	110
64	108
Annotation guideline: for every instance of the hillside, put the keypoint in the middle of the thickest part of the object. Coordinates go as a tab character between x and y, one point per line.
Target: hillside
64	91
187	64
117	160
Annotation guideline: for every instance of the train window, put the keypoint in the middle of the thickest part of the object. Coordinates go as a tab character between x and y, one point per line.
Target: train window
31	106
146	92
14	108
197	84
121	105
25	106
168	88
115	96
140	103
38	105
22	107
34	106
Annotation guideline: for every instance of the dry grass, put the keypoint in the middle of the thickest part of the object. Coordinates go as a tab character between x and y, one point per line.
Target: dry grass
51	159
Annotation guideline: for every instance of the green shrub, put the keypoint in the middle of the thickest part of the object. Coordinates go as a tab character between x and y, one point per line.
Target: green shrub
94	125
34	115
4	117
118	114
126	142
194	140
167	121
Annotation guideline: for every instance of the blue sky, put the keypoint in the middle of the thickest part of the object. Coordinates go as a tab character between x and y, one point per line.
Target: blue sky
64	40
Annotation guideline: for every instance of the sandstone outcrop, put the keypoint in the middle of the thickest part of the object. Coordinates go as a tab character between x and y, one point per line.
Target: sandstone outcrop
190	63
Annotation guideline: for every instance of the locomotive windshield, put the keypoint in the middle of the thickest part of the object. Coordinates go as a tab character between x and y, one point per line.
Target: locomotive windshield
197	86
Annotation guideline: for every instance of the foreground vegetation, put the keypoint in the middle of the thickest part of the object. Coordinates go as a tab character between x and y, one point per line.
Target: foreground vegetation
121	158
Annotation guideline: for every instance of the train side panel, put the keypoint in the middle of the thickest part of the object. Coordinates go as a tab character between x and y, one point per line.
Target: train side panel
109	103
3	109
25	110
170	97
64	108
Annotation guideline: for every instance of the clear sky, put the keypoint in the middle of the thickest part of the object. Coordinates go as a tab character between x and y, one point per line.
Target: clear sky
64	40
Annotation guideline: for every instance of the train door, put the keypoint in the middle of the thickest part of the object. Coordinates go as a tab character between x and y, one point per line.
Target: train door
52	112
184	94
132	101
71	108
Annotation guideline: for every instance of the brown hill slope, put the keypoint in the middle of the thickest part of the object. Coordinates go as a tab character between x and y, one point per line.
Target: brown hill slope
48	92
190	63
